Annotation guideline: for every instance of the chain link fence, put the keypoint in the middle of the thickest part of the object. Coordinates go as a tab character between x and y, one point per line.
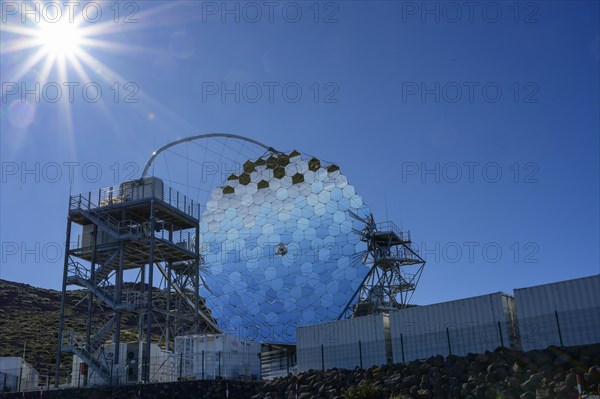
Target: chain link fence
16	375
210	365
576	327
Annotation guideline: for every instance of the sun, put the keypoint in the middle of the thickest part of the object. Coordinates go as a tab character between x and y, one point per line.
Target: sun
60	39
56	47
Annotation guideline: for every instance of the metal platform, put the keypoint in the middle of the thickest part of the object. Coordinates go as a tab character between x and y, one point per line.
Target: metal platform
395	271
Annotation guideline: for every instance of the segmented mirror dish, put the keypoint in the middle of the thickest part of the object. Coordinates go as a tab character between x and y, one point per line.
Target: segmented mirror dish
279	247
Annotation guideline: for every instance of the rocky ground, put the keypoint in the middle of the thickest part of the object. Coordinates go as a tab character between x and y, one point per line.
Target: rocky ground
549	373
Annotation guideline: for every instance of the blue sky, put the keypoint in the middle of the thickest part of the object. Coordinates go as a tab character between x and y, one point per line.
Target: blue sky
477	131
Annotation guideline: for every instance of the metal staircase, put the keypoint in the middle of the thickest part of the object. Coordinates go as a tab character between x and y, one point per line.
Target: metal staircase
79	275
76	344
104	333
102	272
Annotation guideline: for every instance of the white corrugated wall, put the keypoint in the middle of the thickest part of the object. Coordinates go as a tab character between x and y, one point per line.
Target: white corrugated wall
219	355
567	311
349	343
471	325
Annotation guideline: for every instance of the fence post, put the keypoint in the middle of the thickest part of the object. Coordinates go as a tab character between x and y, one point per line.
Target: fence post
402	347
219	353
180	366
501	337
360	353
202	363
448	336
322	358
20	385
558	327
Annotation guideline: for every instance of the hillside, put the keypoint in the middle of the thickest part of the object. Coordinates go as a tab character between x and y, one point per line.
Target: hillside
29	316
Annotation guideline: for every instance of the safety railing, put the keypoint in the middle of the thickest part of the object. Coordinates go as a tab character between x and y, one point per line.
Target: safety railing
391	226
403	255
78	270
133	191
135	231
104	287
86	204
185	238
133	297
72	339
78	345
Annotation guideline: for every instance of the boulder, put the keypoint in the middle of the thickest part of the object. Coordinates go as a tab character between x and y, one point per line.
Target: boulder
410	380
571	380
532	383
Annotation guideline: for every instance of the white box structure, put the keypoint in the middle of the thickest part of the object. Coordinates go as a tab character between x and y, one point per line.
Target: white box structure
356	342
140	189
16	375
566	313
211	356
470	325
129	368
87	237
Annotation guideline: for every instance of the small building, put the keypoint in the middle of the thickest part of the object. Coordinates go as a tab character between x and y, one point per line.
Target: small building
129	369
16	375
356	342
470	325
212	356
566	313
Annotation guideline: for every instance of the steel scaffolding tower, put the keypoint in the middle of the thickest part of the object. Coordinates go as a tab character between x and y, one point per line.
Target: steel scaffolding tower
395	270
147	232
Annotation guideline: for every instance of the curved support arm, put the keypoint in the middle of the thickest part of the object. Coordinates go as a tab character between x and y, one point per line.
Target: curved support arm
198	137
